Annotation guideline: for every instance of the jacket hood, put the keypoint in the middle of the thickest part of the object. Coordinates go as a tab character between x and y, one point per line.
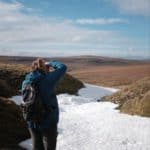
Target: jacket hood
34	76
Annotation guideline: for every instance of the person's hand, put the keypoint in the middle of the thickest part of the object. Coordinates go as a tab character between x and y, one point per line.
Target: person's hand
48	67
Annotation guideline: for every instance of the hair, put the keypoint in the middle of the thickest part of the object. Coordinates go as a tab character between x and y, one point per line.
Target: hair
39	64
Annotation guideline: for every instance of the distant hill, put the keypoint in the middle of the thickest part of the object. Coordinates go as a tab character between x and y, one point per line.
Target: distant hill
133	99
103	71
75	60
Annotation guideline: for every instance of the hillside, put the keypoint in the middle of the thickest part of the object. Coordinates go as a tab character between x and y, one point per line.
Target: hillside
12	126
102	71
12	75
112	76
77	62
134	99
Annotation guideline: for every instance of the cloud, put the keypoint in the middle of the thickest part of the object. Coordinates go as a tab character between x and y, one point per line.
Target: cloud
36	30
9	12
135	7
28	34
8	7
19	30
100	21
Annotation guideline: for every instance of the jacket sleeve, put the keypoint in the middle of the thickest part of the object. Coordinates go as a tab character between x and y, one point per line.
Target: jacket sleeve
59	69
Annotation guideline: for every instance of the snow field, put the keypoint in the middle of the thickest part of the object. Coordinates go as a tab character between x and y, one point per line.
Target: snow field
86	124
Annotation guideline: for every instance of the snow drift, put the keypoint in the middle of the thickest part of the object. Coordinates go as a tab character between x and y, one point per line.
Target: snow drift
86	124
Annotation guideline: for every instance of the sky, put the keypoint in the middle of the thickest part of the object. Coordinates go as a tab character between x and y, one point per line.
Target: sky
113	28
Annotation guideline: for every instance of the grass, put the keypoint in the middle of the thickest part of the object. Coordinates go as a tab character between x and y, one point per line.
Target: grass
134	99
97	70
112	76
11	77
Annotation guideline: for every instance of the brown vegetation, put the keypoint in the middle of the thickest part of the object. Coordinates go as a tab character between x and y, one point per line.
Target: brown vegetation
134	99
113	76
11	77
97	70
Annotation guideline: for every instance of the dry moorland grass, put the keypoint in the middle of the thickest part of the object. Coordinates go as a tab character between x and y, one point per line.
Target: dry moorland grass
113	76
133	99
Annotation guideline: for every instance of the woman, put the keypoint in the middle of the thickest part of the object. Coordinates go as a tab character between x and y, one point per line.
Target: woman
44	134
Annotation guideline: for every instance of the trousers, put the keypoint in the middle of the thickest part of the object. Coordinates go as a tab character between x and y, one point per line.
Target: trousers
44	139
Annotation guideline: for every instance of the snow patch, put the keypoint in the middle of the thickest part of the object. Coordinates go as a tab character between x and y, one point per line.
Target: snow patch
86	124
17	99
95	92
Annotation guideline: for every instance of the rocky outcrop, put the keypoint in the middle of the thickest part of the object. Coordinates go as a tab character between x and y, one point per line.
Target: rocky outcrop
12	126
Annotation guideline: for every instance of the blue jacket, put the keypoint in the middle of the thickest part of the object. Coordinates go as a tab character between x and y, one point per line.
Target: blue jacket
47	83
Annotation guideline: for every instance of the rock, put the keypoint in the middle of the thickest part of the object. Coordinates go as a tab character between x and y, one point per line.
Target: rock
12	126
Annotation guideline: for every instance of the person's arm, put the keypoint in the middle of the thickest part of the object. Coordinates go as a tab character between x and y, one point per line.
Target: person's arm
59	69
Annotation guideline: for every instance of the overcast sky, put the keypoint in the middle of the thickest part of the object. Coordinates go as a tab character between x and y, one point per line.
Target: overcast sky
115	28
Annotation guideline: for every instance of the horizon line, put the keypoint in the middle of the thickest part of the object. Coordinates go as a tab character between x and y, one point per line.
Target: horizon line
82	55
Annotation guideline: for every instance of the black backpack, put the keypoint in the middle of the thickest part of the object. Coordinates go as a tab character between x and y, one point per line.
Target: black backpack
32	105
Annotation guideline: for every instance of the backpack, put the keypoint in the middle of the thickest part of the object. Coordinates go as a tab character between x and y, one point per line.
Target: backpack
32	106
